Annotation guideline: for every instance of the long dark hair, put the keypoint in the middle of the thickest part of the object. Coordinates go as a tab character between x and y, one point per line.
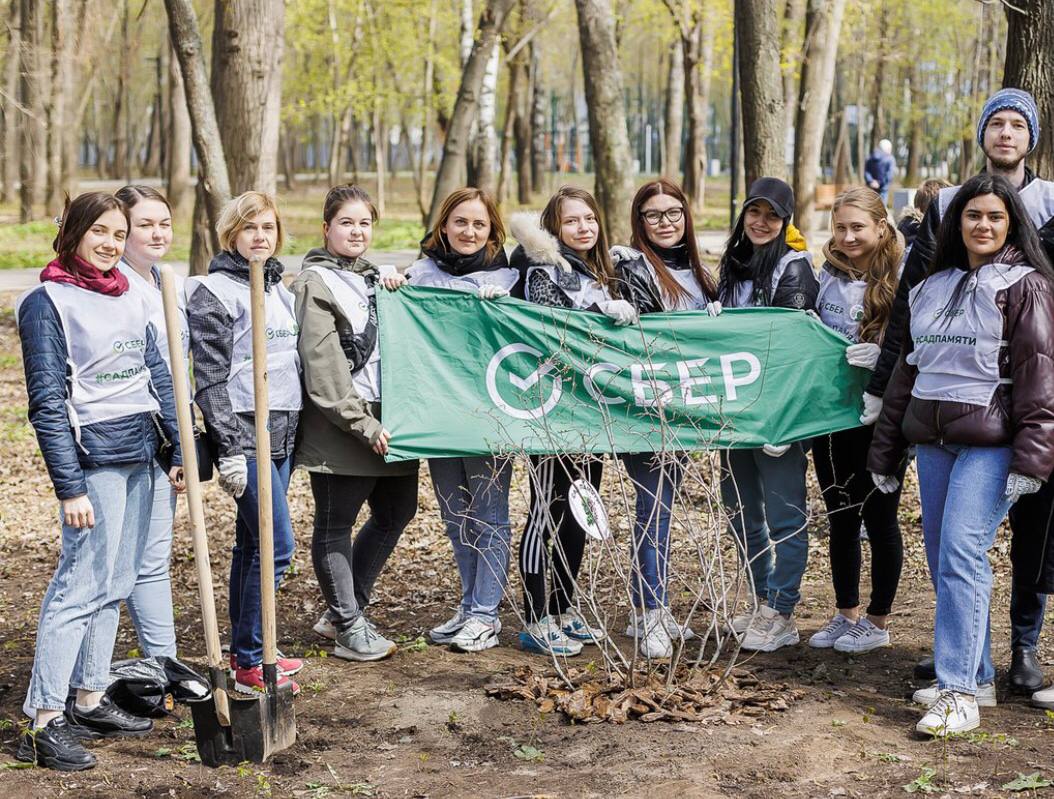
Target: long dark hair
77	218
951	249
760	262
671	289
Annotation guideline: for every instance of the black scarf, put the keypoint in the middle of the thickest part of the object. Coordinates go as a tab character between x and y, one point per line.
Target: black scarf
235	264
454	263
675	257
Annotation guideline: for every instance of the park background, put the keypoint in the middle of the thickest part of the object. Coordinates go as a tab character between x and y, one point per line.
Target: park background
410	99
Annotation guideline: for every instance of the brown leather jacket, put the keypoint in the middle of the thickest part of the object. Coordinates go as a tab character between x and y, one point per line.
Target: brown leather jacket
1020	415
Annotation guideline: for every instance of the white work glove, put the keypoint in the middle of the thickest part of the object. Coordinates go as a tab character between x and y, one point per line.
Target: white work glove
872	409
621	253
490	291
809	312
620	312
234	475
713	308
775	450
863	355
886	483
1020	484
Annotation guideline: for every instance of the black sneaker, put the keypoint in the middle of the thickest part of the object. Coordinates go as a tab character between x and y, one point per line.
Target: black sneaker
54	746
106	720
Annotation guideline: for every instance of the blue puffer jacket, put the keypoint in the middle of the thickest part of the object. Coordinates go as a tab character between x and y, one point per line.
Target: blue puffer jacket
128	439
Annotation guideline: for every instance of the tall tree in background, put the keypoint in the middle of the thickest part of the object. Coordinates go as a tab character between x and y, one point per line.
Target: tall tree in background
9	159
1030	66
177	163
248	38
455	148
823	25
608	134
697	57
32	141
761	89
214	187
673	111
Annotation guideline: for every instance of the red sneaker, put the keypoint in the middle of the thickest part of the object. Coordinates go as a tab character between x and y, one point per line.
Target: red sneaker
249	681
286	666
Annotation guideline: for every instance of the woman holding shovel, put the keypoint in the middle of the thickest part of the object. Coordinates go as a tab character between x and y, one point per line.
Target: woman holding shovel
342	441
98	394
218	310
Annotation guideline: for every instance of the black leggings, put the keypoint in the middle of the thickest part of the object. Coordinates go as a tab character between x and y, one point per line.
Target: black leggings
551	477
347	568
850	493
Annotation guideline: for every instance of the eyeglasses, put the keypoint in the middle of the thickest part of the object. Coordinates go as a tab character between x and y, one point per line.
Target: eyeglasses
671	215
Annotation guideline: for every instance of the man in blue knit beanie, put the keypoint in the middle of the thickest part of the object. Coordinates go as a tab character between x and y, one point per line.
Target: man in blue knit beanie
1010	100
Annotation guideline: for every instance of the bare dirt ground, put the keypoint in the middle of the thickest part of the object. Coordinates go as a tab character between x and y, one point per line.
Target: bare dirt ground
420	724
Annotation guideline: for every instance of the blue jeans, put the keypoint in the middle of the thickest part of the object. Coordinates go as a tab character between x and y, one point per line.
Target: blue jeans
963	501
766	505
246	629
473	496
150	603
97	569
655	478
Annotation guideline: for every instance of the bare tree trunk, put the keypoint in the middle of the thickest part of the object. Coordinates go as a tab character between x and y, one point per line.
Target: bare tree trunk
915	123
177	166
380	142
425	156
336	144
823	24
214	188
539	153
247	45
1030	66
152	159
9	155
878	128
793	16
71	132
32	114
487	138
119	163
608	136
455	148
56	110
761	89
673	112
698	61
287	148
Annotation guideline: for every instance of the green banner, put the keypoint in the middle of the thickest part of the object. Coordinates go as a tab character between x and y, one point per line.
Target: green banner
463	376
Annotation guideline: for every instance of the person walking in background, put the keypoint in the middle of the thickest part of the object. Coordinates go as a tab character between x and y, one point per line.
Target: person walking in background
880	169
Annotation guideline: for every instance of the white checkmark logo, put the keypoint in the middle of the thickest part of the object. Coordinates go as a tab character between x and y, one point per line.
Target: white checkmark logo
522	383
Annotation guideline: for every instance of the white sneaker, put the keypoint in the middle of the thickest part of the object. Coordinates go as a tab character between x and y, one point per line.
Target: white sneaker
740	622
770	631
825	637
862	637
445	632
951	713
655	640
1043	699
545	637
475	635
635	628
985	696
325	628
574	625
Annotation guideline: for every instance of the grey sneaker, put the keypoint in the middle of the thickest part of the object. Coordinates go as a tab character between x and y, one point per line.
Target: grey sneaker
444	633
362	642
324	627
475	635
770	631
825	637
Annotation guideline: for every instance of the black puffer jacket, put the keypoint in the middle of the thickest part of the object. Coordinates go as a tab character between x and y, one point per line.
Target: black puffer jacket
1020	415
128	439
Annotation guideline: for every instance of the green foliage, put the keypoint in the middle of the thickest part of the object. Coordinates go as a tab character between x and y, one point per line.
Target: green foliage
531	754
924	782
1027	782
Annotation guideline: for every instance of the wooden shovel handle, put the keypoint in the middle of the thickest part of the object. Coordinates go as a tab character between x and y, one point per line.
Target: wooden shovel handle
181	389
261	411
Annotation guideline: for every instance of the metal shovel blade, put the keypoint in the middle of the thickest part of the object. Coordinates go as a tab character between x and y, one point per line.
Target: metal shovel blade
215	742
264	724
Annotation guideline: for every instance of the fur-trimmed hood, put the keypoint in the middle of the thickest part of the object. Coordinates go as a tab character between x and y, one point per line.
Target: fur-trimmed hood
537	244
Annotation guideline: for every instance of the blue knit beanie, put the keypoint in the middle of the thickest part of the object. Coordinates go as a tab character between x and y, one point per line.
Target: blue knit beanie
1011	100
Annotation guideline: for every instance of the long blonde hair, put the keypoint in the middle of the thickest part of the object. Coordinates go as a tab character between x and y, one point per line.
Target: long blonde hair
882	270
